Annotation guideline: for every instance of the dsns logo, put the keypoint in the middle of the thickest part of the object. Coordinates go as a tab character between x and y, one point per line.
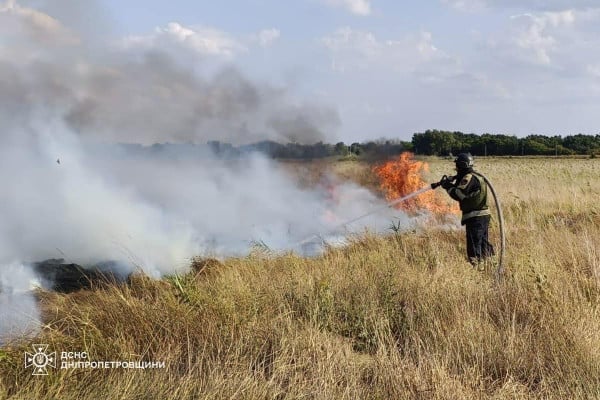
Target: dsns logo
40	360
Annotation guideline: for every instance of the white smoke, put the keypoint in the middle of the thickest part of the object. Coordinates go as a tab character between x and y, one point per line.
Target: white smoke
19	315
69	194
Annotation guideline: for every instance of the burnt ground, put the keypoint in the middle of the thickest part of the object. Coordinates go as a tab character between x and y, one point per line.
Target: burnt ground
64	277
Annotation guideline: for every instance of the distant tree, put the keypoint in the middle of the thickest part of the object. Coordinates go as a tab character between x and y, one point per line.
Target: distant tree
356	148
434	142
341	149
370	147
582	144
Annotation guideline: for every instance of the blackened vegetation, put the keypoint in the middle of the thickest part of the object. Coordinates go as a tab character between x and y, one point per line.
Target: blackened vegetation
69	277
62	277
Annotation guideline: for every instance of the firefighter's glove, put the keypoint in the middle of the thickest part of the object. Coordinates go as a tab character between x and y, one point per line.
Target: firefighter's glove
446	183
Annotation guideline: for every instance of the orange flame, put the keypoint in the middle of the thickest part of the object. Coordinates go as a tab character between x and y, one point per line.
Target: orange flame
402	176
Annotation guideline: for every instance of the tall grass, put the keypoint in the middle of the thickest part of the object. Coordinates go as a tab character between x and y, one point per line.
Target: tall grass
400	317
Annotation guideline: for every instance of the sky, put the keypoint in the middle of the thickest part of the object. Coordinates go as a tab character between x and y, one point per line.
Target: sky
361	70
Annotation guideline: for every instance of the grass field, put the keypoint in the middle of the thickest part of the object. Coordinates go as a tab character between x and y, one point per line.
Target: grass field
401	316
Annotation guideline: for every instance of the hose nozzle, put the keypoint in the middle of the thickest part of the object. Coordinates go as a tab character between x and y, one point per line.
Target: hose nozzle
445	178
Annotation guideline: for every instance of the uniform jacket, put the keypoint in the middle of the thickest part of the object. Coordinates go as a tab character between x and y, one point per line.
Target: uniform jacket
470	190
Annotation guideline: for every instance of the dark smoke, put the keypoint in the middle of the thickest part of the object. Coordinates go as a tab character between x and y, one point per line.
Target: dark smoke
153	100
146	96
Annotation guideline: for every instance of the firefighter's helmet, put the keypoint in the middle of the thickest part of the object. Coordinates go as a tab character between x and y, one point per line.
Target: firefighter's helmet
464	161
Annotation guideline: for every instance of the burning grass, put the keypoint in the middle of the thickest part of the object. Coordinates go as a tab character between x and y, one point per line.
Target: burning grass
404	175
400	317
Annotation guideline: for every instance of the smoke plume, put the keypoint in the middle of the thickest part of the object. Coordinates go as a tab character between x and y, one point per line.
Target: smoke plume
71	192
142	95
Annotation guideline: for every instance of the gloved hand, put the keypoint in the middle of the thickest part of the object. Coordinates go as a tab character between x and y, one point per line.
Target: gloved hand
446	183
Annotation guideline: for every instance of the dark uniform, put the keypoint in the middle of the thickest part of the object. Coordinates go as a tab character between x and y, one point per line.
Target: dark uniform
470	190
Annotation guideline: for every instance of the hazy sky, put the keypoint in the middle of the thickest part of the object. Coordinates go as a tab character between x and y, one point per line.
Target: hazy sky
389	68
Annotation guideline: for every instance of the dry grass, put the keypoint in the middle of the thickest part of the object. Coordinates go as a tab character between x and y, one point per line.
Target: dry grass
399	317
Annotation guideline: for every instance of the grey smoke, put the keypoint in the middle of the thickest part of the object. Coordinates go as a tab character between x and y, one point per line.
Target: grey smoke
143	96
19	316
152	99
62	98
59	99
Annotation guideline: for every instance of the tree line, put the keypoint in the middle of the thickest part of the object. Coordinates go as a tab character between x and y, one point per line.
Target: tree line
436	142
442	143
430	142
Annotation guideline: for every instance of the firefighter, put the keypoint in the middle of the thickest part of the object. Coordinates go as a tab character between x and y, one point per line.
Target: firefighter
470	190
